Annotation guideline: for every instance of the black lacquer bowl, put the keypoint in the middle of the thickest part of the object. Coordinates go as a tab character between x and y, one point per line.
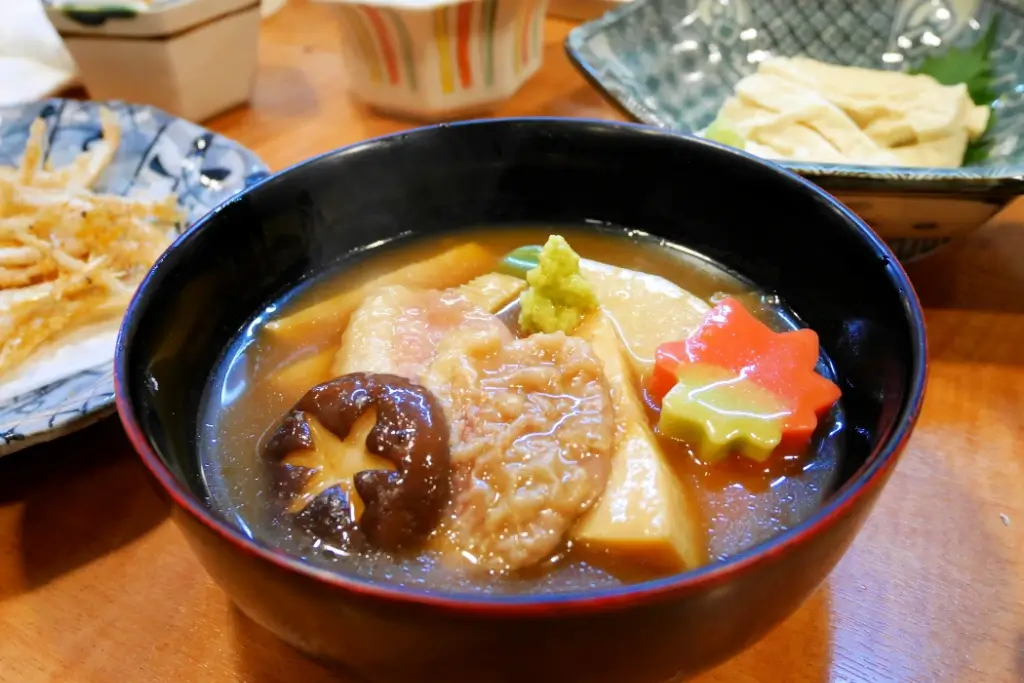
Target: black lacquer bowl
767	224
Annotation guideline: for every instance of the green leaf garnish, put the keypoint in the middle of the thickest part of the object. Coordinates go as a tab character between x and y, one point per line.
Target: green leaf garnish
719	131
969	65
977	150
520	261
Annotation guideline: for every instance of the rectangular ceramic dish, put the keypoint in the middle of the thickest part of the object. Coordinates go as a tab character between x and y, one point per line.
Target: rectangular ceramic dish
672	63
191	58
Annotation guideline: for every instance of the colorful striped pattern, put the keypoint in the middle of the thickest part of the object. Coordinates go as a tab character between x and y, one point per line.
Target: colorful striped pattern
406	45
385	46
489	14
464	15
386	49
528	36
363	42
444	50
383	43
453	34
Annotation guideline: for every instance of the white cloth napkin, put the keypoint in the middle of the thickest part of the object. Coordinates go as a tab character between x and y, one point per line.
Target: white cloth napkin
33	60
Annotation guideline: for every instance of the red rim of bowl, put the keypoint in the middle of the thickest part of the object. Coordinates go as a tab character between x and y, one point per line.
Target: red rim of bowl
873	473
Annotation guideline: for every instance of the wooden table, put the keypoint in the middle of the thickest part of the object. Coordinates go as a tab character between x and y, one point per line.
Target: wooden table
97	586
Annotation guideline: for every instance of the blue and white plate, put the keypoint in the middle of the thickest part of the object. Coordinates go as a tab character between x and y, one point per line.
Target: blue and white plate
158	154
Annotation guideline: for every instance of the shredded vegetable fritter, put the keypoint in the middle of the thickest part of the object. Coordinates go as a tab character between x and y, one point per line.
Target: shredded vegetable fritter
70	256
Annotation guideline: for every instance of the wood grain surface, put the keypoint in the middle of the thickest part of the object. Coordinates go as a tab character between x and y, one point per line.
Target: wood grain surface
97	586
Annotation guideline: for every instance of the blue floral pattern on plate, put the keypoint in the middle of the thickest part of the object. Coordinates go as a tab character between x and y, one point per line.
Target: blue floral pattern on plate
158	154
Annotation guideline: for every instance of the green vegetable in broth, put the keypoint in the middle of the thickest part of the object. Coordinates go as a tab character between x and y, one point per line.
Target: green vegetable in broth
520	261
719	131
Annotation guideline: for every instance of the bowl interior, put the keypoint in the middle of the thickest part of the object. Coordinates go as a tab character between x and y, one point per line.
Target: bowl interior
672	63
766	224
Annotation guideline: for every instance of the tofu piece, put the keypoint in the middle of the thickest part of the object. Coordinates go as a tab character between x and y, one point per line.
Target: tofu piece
891	118
799	143
891	130
396	330
839	80
326	319
939	111
372	341
764	151
645	515
893	108
858	102
947	152
645	310
931	114
775	135
976	118
744	116
804	105
863	93
492	291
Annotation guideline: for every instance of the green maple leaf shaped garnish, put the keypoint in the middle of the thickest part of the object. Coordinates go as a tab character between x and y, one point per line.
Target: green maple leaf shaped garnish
971	66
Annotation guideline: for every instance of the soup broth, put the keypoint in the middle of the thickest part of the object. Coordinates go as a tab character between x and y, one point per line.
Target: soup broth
738	502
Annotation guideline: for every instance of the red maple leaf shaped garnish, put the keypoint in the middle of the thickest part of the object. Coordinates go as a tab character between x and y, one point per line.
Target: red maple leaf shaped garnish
781	362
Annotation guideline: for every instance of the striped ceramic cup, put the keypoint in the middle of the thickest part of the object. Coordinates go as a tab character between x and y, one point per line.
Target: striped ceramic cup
431	59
